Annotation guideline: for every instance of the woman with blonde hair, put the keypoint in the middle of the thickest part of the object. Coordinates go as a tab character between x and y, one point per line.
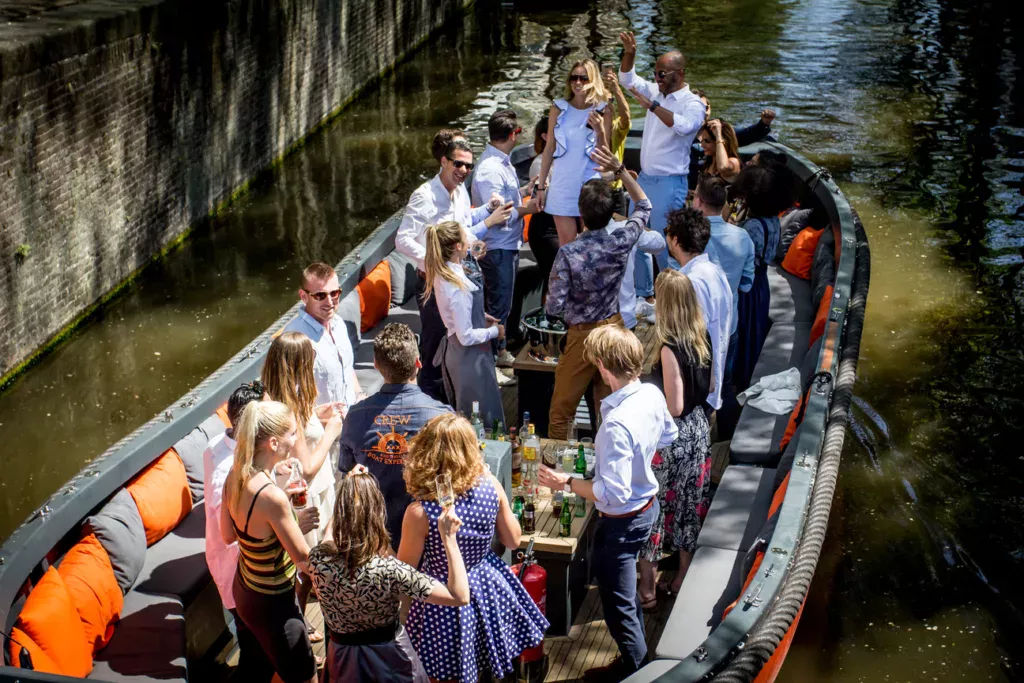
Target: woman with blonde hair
465	355
288	378
683	470
361	584
579	122
721	150
270	544
501	620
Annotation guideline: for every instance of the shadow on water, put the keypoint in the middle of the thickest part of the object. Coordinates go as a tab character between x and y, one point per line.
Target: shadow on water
914	105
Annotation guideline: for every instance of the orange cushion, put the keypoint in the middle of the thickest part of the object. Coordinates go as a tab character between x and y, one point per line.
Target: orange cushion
794	422
374	295
40	660
801	253
222	413
50	619
780	494
90	581
821	318
526	221
162	496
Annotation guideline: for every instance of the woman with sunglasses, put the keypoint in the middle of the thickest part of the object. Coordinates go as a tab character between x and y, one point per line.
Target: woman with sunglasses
568	149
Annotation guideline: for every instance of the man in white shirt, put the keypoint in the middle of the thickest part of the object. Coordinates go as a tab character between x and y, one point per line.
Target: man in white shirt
687	234
442	198
674	115
650	242
222	559
334	367
635	423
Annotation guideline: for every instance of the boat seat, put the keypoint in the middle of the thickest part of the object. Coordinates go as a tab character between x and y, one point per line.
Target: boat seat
757	435
369	379
148	643
790	297
738	509
651	672
176	564
712	582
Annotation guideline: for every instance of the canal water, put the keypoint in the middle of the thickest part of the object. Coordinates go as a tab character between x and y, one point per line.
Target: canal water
915	107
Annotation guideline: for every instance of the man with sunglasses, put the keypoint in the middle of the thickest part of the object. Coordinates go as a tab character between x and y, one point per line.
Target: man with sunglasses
443	198
334	367
496	176
674	115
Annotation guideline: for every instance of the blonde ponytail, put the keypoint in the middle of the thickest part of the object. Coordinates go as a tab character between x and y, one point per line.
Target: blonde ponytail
260	420
441	242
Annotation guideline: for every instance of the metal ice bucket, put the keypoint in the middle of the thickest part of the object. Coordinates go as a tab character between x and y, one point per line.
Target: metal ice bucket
543	341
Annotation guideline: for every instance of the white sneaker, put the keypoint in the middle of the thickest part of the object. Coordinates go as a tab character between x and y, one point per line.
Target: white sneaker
503	380
505	359
643	309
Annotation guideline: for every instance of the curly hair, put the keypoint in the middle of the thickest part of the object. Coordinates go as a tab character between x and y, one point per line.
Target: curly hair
447	443
767	188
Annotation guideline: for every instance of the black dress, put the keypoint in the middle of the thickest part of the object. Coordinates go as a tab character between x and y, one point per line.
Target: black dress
683	470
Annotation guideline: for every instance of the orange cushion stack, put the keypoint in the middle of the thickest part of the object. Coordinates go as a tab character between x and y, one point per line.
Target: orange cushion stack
49	619
800	255
40	660
821	318
794	421
374	295
162	496
90	582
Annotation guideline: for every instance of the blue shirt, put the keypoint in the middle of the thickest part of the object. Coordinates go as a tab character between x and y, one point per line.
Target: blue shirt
756	228
376	434
495	173
733	250
635	423
715	300
334	367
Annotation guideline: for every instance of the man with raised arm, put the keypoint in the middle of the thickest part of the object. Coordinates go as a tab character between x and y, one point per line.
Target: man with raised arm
674	115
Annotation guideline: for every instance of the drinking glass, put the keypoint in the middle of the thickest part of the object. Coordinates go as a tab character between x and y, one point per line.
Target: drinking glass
570	434
445	494
588	443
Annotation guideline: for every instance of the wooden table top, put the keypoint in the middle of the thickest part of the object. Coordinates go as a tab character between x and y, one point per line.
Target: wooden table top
547	538
644	331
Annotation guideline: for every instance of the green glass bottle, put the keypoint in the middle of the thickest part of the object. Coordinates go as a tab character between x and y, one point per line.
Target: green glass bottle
566	519
517	505
580	505
581	462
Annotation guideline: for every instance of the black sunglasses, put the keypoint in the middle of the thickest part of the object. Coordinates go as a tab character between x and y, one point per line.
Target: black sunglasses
576	78
461	164
662	75
320	296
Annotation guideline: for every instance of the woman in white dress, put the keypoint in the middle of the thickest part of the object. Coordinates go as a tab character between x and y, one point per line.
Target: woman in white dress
567	151
288	378
465	357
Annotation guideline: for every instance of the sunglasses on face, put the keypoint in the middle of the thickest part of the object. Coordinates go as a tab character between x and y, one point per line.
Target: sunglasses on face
321	296
461	164
578	78
662	75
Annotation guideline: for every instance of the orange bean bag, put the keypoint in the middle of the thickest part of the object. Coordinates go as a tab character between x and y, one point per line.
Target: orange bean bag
374	296
50	620
40	660
89	578
161	493
800	255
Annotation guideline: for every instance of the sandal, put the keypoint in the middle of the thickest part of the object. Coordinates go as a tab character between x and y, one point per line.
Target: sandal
314	635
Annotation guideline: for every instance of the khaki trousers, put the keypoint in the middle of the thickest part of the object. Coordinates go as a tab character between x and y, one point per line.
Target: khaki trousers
572	377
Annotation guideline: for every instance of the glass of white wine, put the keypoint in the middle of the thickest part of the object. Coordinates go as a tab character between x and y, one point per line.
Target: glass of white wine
445	494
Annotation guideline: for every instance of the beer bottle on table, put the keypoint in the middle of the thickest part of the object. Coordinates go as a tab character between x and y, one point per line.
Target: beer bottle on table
517	459
556	503
529	515
478	424
517	504
566	519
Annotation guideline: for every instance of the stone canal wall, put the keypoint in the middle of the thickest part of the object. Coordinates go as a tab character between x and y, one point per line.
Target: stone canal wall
123	122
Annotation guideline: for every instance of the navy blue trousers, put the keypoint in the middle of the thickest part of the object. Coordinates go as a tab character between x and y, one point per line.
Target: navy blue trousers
499	270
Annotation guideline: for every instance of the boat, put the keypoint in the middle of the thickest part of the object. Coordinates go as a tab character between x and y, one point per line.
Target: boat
83	596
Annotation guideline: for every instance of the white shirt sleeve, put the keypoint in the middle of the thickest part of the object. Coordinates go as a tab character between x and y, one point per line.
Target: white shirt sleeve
414	222
669	429
613	486
458	303
650	242
690	119
643	86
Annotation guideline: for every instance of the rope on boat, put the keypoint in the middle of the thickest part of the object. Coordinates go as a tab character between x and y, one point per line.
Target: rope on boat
776	622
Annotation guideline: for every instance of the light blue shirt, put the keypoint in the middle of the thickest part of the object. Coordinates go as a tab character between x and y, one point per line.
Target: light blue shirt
334	367
650	242
733	250
635	423
495	173
715	299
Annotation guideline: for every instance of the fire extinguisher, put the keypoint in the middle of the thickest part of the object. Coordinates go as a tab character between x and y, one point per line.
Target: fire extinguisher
535	580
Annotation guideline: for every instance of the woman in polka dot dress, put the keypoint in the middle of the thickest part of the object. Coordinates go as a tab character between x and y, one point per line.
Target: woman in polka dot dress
501	620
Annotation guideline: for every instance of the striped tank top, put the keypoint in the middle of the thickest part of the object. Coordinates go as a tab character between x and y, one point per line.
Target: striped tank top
263	564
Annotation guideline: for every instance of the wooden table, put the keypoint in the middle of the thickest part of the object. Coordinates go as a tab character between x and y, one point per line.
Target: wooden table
537	380
565	558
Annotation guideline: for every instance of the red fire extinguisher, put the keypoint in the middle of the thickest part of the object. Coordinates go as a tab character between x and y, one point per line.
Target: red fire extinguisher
535	580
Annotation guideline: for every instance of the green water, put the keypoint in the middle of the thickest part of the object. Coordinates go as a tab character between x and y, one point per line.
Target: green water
915	108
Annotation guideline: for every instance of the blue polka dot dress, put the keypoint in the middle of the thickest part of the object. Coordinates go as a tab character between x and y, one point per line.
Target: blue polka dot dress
500	621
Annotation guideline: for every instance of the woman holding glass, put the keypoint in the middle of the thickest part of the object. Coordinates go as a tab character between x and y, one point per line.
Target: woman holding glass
501	620
568	148
360	584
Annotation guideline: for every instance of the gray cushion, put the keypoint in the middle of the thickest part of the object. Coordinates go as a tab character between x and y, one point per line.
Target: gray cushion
738	509
403	277
118	526
190	450
712	582
790	226
212	426
176	564
790	297
348	309
369	379
148	643
784	348
823	267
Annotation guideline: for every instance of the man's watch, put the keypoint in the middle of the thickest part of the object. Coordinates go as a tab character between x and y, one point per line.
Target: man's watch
568	485
654	105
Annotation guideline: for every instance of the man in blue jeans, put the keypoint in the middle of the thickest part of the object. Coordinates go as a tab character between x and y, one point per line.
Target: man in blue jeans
495	175
377	429
635	423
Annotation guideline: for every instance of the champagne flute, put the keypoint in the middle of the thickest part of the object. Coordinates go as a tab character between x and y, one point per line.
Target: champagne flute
445	494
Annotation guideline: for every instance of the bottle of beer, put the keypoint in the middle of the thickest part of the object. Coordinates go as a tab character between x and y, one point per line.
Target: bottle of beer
556	502
478	424
531	446
529	515
517	503
580	465
517	459
566	519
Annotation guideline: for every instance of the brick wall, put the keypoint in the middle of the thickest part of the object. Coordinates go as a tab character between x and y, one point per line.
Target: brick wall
119	131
